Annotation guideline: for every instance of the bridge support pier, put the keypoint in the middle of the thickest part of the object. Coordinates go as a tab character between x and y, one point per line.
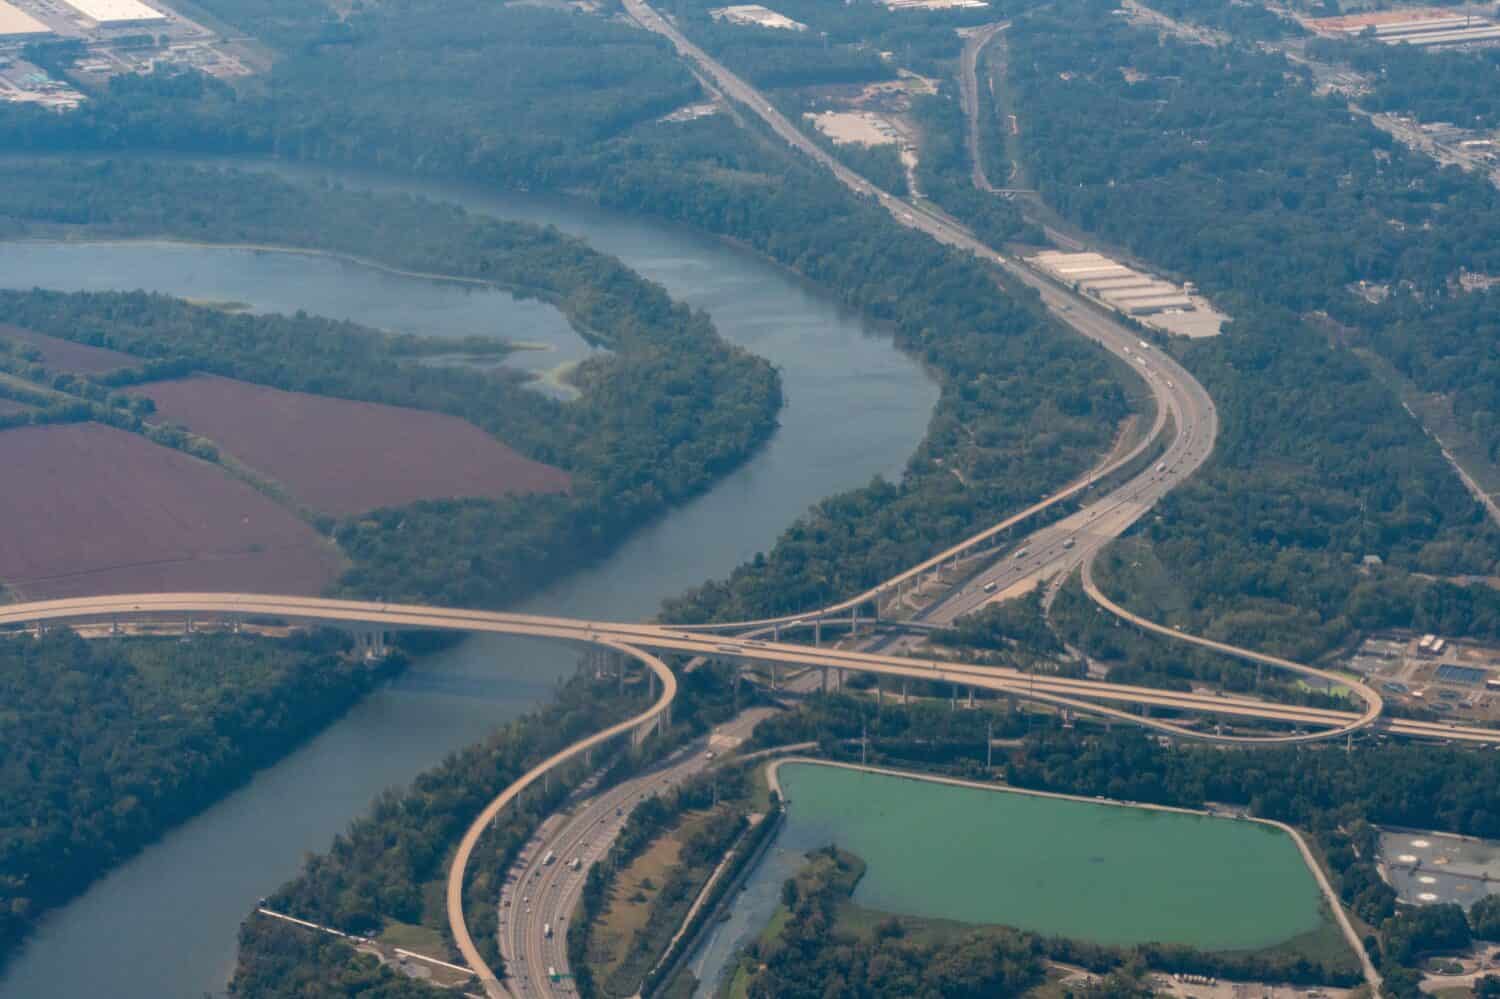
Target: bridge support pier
818	633
905	692
854	621
971	697
369	643
825	679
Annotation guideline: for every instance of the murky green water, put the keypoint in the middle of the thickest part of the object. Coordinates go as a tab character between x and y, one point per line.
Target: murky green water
1099	872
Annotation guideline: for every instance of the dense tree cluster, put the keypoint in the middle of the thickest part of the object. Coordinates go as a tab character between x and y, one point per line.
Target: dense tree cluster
1431	85
664	412
109	743
1189	160
811	959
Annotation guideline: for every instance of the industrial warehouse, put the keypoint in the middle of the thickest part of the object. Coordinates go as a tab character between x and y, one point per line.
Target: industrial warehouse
1437	26
1158	303
16	23
109	13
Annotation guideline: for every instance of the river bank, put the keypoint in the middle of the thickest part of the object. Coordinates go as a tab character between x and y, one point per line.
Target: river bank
164	924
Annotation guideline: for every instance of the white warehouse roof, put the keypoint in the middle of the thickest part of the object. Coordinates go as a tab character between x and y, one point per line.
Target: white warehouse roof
15	22
116	11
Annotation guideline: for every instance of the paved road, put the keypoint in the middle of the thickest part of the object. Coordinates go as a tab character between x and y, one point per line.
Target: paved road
634	639
538	895
1176	391
968	92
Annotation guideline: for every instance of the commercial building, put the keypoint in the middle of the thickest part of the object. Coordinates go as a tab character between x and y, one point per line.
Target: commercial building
109	13
1158	303
16	23
1424	27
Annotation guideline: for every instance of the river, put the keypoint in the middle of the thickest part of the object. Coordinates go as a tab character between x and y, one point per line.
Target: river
163	925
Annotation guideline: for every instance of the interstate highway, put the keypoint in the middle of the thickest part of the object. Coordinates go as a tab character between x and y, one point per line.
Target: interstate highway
586	834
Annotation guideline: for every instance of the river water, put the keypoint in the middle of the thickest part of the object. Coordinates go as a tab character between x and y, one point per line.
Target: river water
163	925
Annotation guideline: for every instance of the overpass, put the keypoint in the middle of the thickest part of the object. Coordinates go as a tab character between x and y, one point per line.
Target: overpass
645	642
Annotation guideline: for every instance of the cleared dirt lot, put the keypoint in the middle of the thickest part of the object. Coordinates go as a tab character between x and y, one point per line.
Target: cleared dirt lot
346	457
88	509
67	356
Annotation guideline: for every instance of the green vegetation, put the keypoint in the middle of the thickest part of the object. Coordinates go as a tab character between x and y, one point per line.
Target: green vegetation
812	956
378	869
665	412
1024	408
1195	167
1430	85
695	825
295	962
1332	795
109	743
392	863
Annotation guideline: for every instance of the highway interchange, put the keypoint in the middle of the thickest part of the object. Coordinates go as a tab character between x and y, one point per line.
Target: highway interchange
1051	552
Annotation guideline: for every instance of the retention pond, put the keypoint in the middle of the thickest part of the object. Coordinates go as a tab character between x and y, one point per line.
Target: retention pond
1095	871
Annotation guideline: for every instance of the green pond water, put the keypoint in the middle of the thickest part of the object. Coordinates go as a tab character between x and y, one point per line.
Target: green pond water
1098	872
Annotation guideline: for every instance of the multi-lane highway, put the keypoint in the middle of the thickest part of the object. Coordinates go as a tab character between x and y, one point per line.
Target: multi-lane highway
1072	542
541	895
639	641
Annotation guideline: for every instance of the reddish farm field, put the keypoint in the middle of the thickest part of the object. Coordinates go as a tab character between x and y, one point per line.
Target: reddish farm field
65	355
88	509
346	457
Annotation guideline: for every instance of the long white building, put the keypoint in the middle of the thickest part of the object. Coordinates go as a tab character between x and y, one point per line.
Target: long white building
109	13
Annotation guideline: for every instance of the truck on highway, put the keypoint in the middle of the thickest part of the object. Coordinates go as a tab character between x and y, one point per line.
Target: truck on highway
1070	542
1023	553
547	930
549	858
574	864
991	586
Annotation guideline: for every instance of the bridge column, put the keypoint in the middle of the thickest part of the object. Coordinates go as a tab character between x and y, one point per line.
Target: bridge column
775	680
905	691
114	625
651	679
817	633
187	625
775	632
854	621
971	697
825	679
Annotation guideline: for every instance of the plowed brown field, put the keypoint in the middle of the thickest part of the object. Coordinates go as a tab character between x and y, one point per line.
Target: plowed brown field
67	356
86	509
346	457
